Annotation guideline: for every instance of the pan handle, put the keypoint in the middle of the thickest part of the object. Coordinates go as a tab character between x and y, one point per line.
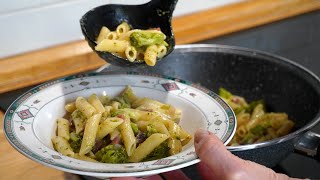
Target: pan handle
309	145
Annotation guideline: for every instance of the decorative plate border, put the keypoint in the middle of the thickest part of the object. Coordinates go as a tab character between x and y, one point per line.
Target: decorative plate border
14	141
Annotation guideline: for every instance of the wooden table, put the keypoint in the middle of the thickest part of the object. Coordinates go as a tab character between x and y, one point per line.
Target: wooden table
14	165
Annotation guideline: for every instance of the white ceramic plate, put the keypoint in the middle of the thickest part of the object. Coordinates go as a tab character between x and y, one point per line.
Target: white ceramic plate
30	121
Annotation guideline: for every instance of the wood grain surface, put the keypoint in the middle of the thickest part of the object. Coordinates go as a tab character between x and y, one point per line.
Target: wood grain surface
43	65
14	166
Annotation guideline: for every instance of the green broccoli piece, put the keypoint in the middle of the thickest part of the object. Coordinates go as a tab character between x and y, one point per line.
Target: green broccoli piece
123	102
125	98
258	130
134	127
105	99
114	154
225	93
151	130
128	95
75	141
143	39
159	152
131	113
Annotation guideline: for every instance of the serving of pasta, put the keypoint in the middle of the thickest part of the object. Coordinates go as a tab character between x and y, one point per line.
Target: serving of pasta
254	124
133	44
119	130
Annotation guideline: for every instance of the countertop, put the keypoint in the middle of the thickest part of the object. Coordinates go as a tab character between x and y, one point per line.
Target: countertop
79	58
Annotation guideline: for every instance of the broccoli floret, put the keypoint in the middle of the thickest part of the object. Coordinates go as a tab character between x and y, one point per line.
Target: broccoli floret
115	154
143	39
134	128
105	99
159	152
124	103
75	142
225	93
258	130
128	94
126	98
131	113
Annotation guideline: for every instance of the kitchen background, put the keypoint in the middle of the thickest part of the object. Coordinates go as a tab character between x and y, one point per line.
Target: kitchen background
33	25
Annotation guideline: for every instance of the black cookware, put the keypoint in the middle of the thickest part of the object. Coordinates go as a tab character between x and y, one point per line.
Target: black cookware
154	14
284	85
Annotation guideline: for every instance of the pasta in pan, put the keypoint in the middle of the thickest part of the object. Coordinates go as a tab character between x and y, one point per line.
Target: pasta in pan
133	45
254	124
119	130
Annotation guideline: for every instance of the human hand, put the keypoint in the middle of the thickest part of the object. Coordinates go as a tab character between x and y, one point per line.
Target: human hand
176	175
218	163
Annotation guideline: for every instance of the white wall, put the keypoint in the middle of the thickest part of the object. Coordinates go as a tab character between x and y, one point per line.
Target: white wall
27	25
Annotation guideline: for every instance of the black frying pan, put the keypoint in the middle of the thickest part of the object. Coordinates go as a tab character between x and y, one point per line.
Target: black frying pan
285	86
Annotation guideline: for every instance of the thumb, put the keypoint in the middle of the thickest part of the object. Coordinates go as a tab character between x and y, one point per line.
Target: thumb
214	154
222	164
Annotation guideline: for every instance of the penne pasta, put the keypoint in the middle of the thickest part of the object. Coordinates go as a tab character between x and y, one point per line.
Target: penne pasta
111	36
150	56
241	131
114	134
113	46
131	53
285	128
113	131
84	158
147	147
86	108
161	51
160	127
122	28
108	126
62	146
115	105
135	44
63	128
142	125
243	118
103	34
255	125
127	134
78	120
126	36
89	135
175	146
256	116
70	107
272	133
96	103
177	132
